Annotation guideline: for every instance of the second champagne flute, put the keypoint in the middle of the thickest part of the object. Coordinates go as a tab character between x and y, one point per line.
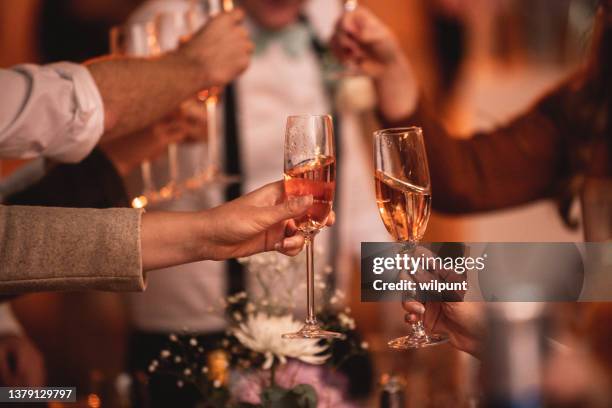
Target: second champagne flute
403	195
310	169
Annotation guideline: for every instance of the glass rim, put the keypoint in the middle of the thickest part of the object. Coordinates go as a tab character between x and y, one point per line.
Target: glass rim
309	116
399	131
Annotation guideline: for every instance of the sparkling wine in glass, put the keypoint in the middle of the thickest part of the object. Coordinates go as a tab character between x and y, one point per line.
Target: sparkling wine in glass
310	169
403	196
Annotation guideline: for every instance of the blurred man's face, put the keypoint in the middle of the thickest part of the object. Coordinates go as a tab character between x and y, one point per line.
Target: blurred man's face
273	14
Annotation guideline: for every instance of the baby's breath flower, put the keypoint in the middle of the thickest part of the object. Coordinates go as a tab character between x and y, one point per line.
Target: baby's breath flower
346	321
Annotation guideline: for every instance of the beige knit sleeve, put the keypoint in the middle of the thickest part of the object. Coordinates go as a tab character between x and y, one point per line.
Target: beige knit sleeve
48	249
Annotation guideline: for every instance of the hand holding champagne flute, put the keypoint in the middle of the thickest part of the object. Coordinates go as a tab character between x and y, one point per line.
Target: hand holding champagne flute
310	170
403	196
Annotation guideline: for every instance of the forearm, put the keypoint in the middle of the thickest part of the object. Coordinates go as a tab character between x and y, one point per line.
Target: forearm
171	238
397	90
137	92
512	165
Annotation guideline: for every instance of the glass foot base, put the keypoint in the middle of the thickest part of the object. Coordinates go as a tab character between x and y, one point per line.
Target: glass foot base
415	342
313	331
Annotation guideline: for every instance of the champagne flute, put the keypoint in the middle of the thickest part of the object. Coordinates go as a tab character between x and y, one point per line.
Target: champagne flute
349	68
350	5
403	196
310	169
172	27
210	98
138	40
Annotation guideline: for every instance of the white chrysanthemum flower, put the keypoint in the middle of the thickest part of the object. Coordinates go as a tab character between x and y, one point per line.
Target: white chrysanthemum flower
262	333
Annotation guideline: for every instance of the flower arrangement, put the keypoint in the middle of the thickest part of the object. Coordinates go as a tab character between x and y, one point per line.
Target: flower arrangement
253	366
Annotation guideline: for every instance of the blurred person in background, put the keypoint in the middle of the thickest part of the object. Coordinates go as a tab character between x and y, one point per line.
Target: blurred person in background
553	150
286	77
540	154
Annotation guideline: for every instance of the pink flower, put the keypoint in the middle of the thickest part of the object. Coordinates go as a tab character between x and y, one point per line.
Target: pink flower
330	386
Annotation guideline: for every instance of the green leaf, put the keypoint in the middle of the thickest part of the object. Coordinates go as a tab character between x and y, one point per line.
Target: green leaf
302	396
273	396
305	395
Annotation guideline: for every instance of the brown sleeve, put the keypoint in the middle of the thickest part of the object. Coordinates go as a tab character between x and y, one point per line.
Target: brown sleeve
512	165
48	249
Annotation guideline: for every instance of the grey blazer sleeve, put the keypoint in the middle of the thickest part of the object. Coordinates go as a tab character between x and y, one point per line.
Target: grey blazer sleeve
49	249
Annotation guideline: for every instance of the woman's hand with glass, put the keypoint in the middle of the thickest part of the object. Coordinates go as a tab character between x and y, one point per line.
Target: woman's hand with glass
463	322
364	41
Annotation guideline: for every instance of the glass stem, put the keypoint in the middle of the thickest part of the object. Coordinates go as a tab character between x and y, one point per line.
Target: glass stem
418	329
147	177
309	241
211	120
173	162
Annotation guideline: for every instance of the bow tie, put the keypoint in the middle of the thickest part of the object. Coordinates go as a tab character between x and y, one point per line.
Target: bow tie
294	40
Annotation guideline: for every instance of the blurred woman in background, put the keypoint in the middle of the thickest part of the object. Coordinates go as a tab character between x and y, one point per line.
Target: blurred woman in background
559	148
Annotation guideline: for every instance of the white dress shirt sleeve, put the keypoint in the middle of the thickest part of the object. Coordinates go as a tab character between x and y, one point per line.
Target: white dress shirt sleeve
8	324
54	111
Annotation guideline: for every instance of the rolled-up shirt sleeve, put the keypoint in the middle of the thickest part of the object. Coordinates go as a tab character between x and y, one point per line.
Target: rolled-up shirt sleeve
54	111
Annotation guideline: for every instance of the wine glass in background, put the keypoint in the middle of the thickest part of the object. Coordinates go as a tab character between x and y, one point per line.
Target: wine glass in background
172	28
347	69
350	5
310	169
210	98
138	40
403	196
